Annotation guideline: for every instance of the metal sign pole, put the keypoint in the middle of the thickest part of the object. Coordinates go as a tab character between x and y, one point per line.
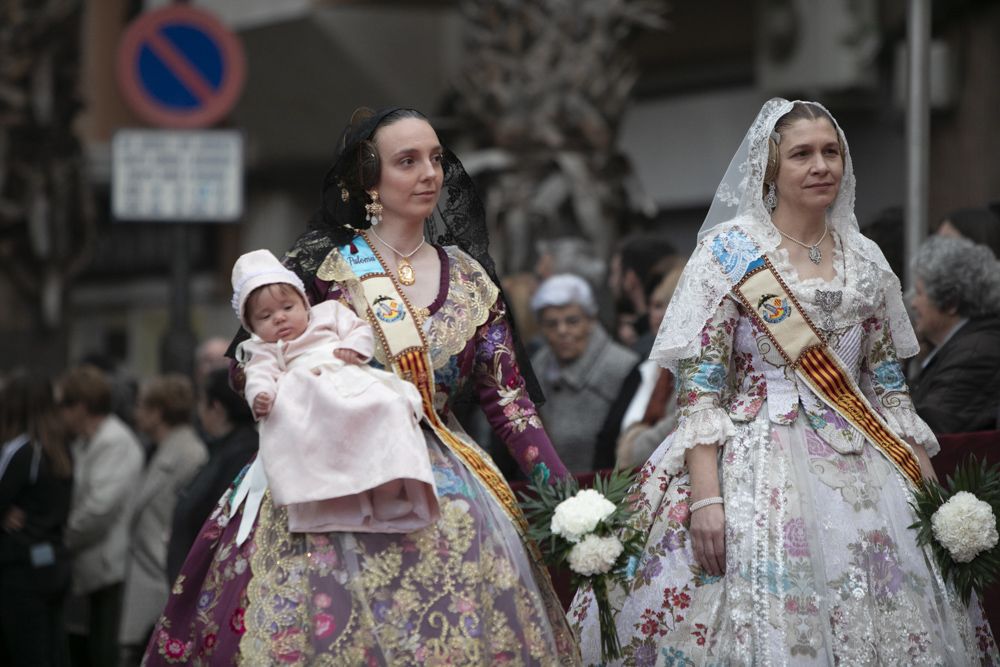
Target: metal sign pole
918	28
177	347
177	176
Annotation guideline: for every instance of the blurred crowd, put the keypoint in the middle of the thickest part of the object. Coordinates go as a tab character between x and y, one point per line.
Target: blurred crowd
101	499
105	482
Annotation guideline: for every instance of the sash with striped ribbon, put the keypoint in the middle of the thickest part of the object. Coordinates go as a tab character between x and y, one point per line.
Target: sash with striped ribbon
392	318
772	305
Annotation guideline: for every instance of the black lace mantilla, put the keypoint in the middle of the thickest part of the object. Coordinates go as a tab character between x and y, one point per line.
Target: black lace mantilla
459	220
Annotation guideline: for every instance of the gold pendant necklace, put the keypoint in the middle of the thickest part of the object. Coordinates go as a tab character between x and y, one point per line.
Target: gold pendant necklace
404	270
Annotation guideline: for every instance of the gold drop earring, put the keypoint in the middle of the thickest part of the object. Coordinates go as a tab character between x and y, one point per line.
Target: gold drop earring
374	209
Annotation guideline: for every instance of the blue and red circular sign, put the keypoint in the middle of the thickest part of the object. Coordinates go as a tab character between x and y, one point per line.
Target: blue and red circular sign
180	67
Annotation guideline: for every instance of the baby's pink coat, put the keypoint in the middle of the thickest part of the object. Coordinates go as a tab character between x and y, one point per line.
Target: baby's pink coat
342	449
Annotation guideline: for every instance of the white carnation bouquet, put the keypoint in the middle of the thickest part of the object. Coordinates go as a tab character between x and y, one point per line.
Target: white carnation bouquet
960	525
588	530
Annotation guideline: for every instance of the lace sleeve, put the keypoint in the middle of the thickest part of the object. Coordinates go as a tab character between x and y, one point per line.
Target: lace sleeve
884	383
701	381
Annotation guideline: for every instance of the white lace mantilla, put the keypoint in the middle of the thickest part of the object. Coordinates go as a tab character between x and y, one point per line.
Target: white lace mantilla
738	230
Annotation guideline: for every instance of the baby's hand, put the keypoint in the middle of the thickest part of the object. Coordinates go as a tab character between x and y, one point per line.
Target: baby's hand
262	405
348	356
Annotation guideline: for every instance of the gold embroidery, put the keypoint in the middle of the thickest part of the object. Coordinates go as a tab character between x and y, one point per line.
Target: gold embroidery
449	593
273	628
334	268
380	570
471	294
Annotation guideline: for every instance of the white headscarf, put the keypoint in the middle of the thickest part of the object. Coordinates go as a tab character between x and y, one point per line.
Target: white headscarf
564	289
721	258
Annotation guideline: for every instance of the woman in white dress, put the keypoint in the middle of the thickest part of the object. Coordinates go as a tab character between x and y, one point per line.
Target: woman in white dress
777	514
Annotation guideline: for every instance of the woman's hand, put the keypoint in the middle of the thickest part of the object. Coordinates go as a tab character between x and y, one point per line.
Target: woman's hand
708	538
926	467
708	523
348	356
13	520
262	404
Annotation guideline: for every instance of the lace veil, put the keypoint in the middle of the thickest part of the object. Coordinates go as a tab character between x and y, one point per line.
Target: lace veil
738	203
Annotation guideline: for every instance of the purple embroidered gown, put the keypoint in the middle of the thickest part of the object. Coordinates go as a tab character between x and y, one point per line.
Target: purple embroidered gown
463	591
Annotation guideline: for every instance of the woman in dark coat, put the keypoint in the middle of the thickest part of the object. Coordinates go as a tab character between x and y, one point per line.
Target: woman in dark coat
35	486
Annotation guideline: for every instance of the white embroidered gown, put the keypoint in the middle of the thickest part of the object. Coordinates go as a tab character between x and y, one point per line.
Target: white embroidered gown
822	568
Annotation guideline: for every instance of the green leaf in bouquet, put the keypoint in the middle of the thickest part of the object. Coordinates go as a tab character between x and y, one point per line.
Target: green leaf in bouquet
983	481
538	502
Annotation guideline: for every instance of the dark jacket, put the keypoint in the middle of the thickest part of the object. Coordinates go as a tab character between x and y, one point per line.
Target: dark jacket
34	563
28	483
226	457
959	389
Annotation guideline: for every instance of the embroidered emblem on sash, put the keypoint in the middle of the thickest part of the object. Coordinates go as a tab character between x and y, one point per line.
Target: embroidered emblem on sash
773	308
388	309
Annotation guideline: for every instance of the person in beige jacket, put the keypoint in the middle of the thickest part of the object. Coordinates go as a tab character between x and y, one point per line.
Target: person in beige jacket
164	413
107	462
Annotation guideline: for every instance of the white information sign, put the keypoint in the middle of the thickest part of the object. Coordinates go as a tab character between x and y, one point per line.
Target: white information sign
177	175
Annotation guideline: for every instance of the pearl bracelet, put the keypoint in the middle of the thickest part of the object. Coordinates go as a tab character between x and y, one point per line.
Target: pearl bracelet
705	502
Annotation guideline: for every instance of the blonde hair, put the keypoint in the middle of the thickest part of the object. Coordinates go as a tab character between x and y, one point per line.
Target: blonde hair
799	111
665	288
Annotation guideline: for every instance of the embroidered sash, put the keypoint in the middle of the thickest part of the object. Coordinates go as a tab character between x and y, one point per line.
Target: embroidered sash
775	309
392	318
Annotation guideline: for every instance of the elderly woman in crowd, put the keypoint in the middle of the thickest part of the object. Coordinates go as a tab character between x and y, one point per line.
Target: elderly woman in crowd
580	368
957	308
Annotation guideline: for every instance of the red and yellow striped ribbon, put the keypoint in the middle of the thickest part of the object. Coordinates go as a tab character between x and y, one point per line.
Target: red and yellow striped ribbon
828	379
413	367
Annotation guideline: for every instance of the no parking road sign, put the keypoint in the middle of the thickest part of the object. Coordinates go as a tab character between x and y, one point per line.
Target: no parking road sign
180	67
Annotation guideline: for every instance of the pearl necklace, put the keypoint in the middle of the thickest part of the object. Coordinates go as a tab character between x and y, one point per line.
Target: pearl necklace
404	270
815	255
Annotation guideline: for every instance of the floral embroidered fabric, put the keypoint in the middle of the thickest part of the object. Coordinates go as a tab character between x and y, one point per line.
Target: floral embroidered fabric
822	567
462	591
